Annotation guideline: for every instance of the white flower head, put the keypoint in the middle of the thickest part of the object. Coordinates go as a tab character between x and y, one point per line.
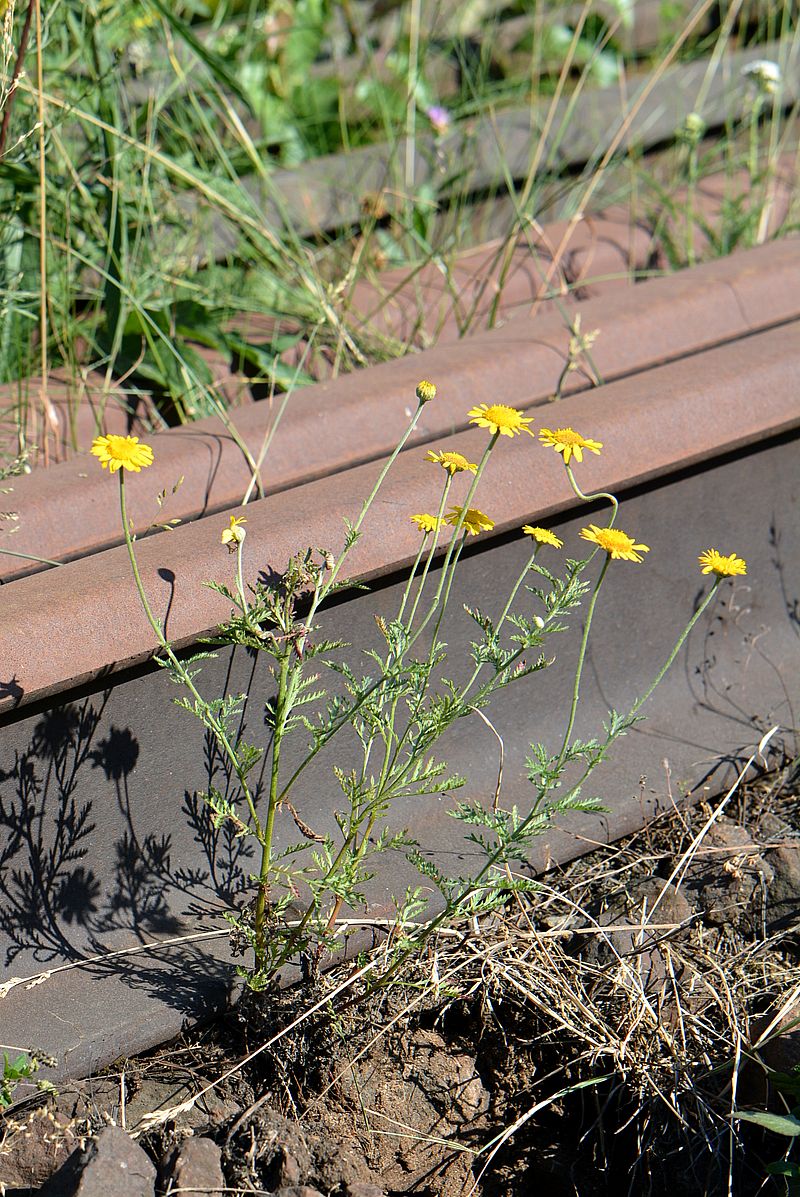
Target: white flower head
764	75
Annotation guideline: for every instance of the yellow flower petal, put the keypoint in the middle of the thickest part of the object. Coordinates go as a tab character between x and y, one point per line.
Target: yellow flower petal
724	567
542	536
474	520
618	545
498	418
453	462
568	442
427	523
121	452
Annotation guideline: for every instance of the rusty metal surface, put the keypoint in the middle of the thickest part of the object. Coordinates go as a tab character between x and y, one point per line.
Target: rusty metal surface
332	426
87	405
83	407
588	257
426	306
671	418
114	772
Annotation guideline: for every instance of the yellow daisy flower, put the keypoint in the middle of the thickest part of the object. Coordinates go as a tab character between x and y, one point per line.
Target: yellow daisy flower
568	442
118	452
427	523
453	462
724	567
426	391
234	534
499	418
474	520
542	536
618	545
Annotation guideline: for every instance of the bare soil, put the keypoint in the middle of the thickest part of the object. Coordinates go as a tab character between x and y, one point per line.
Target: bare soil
594	1039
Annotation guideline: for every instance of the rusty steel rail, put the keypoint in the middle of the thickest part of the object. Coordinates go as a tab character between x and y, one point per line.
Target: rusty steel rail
671	418
604	250
357	418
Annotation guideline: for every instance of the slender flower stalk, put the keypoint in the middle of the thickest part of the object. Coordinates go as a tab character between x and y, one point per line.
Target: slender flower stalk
457	526
282	710
592	498
413	573
213	723
637	706
432	548
426	391
576	686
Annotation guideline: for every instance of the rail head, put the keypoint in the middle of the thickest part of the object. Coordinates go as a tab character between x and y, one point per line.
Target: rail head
652	426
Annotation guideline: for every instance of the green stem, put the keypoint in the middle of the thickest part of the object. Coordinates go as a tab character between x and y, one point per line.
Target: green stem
504	615
454	541
600	494
441	598
30	557
432	550
244	605
752	158
581	658
561	380
282	707
691	187
637	706
345	719
217	730
517	585
322	591
239	578
412	575
325	590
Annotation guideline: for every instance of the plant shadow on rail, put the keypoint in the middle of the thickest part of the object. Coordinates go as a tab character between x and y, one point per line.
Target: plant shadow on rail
69	890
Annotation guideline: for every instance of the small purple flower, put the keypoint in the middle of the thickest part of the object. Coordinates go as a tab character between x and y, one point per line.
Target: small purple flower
439	118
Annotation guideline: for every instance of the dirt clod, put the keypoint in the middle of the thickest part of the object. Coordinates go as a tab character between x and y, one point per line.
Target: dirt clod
784	890
726	875
297	1191
34	1146
111	1166
194	1164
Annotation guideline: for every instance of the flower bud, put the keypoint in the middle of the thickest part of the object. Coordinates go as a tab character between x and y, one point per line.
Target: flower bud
426	391
234	534
693	128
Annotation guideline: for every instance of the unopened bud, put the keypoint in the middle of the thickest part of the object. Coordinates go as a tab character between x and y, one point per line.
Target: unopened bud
234	534
694	128
538	621
425	391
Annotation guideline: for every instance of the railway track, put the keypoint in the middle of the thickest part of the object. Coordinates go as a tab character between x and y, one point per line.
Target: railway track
104	849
